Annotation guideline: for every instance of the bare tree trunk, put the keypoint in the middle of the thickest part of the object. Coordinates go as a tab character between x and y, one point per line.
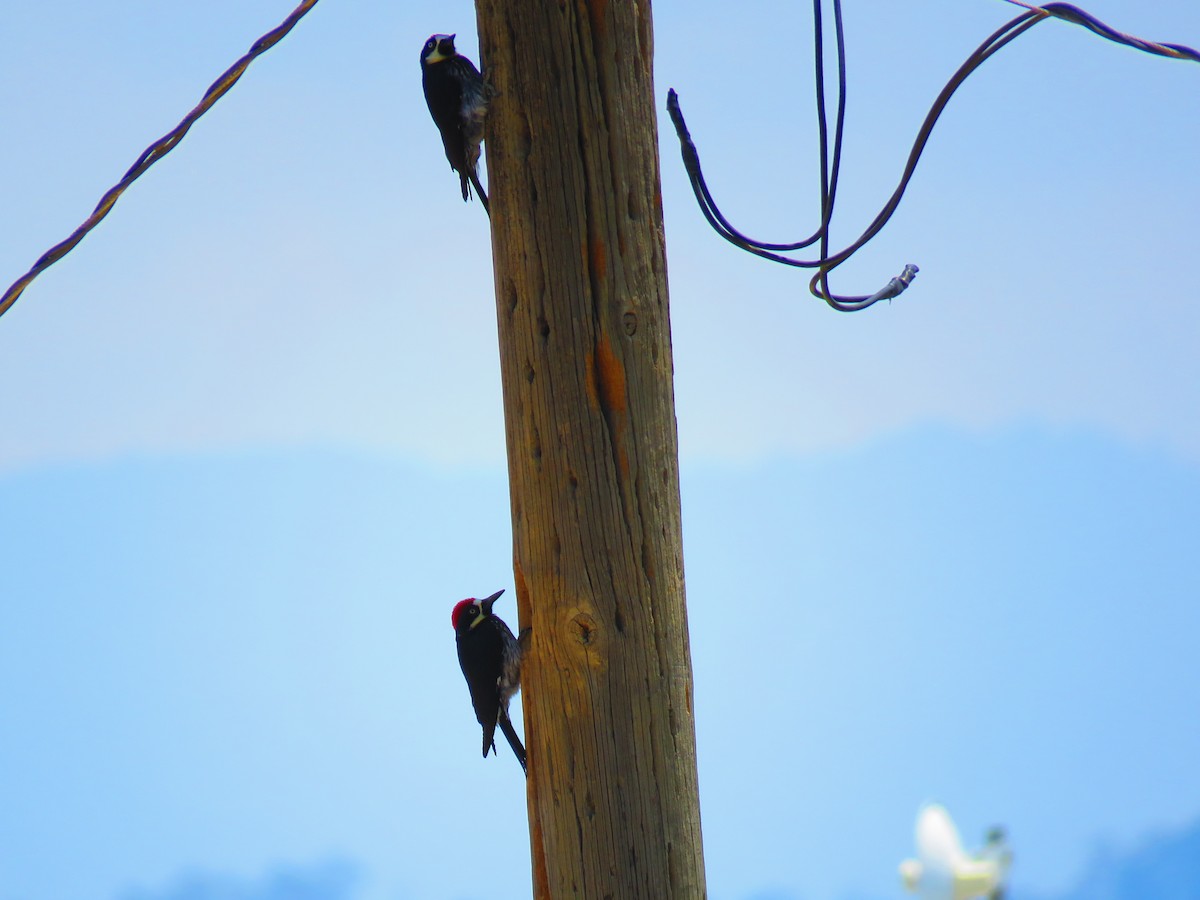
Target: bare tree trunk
585	348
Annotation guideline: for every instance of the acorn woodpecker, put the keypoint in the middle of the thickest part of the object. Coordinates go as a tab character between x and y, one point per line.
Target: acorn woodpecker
491	662
458	99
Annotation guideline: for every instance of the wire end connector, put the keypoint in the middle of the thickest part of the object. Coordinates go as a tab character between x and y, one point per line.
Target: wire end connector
896	286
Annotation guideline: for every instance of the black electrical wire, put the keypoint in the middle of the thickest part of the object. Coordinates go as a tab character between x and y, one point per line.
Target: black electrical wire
830	162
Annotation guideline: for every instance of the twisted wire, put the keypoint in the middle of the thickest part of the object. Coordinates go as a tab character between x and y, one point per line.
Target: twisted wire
1069	13
155	152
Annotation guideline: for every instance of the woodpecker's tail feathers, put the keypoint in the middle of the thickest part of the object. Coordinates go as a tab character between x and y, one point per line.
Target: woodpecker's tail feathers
479	191
513	740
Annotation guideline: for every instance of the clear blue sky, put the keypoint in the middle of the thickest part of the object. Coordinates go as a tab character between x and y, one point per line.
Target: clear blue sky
252	447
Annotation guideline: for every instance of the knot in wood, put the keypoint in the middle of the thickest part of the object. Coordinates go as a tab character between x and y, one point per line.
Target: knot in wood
585	629
630	322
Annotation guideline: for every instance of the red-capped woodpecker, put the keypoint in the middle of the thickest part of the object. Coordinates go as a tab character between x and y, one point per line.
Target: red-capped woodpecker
491	662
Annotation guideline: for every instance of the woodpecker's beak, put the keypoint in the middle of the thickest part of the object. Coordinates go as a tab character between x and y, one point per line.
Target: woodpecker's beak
487	602
446	47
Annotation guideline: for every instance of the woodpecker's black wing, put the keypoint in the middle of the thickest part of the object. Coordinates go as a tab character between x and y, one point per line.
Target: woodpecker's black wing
444	97
481	656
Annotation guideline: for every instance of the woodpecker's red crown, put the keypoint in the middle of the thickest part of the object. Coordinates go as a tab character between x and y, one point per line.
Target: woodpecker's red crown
460	610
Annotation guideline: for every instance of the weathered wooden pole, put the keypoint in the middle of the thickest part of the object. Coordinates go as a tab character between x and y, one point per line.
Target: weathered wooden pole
585	348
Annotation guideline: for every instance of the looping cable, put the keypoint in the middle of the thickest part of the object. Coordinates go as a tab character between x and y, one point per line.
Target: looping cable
830	158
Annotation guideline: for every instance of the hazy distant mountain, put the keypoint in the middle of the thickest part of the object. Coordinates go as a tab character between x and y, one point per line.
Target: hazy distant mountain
335	880
1164	867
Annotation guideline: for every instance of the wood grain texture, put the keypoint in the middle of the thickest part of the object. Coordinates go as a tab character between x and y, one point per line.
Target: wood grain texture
585	347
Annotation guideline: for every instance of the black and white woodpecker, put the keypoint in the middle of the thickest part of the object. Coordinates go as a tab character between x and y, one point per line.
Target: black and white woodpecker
491	662
458	99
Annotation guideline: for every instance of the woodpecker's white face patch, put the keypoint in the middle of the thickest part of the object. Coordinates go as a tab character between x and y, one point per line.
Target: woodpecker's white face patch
480	615
433	48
